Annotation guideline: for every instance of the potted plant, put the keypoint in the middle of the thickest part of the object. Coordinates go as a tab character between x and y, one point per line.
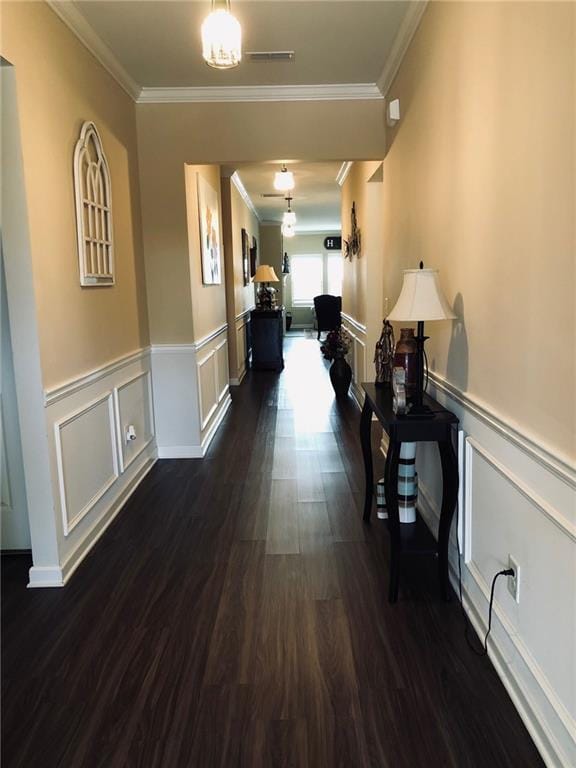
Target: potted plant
335	347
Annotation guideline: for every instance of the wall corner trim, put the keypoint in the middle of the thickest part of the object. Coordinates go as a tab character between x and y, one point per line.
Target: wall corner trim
237	181
403	39
74	385
343	172
330	92
545	455
76	22
354	323
200	343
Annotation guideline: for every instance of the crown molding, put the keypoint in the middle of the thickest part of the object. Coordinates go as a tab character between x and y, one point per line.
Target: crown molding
334	92
343	172
403	39
74	20
321	229
237	181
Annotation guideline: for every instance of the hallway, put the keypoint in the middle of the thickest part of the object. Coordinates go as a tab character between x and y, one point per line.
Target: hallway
235	614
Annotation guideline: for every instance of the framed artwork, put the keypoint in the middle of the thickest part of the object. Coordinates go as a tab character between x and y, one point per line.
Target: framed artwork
246	257
253	257
210	245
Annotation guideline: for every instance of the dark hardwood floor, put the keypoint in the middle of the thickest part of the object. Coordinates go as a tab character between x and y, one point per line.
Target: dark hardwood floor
236	614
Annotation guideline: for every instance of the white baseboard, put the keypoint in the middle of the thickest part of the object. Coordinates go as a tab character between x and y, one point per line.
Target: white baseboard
180	452
45	576
54	576
236	381
197	451
223	406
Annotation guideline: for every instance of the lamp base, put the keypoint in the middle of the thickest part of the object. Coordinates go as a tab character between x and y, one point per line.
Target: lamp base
266	297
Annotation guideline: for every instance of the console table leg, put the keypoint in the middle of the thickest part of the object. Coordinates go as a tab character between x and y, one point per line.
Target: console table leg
366	443
391	491
449	500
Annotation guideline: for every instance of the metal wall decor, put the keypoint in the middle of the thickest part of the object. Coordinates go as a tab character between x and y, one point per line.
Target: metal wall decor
352	245
384	355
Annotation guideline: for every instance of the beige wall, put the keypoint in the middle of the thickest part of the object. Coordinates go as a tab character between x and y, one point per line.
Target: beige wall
60	85
208	301
239	297
271	253
479	182
242	218
362	290
171	135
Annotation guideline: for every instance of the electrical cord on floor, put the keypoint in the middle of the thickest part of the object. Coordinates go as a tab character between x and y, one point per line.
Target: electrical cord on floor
505	572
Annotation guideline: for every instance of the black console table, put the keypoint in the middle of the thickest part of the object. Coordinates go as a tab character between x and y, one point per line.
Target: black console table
267	329
435	427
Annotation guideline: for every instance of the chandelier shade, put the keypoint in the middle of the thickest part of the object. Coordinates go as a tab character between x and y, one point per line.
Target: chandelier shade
221	37
288	230
284	180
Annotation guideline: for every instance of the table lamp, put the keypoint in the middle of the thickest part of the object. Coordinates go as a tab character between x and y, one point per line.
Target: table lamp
266	294
421	299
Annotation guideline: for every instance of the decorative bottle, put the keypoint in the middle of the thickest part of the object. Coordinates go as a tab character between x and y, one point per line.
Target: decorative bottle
406	356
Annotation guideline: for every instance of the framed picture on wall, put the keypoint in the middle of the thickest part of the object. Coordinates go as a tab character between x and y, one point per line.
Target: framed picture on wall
246	257
209	220
253	257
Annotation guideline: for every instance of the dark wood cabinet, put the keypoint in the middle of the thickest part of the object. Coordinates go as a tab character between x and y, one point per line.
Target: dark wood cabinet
267	331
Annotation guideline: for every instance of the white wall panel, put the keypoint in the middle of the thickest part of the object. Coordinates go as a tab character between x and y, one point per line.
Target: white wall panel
517	499
86	458
93	470
134	407
222	377
207	388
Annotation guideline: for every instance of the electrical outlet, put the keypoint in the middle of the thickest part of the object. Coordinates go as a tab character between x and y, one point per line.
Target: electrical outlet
514	581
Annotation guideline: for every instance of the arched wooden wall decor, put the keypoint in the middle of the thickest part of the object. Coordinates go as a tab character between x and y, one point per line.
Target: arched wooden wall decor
93	193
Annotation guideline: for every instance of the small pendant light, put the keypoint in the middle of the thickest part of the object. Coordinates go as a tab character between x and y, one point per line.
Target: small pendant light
284	180
289	217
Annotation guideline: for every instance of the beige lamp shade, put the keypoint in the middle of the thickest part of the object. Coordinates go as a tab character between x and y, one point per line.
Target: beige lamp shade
421	298
265	274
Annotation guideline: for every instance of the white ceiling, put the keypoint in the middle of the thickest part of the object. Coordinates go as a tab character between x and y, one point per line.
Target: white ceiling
157	42
316	196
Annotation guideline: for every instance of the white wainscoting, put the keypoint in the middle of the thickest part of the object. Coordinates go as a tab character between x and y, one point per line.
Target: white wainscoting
241	324
94	470
357	355
516	498
191	394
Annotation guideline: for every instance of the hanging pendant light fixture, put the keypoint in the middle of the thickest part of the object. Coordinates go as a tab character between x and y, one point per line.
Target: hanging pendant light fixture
288	230
284	180
221	37
289	217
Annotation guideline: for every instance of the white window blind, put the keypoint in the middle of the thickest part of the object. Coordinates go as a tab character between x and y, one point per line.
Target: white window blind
307	278
334	274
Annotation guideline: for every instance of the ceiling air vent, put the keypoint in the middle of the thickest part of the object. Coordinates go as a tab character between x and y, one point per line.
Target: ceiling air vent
273	194
268	56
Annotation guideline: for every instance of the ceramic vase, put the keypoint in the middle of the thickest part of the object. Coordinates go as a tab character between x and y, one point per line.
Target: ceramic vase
340	376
